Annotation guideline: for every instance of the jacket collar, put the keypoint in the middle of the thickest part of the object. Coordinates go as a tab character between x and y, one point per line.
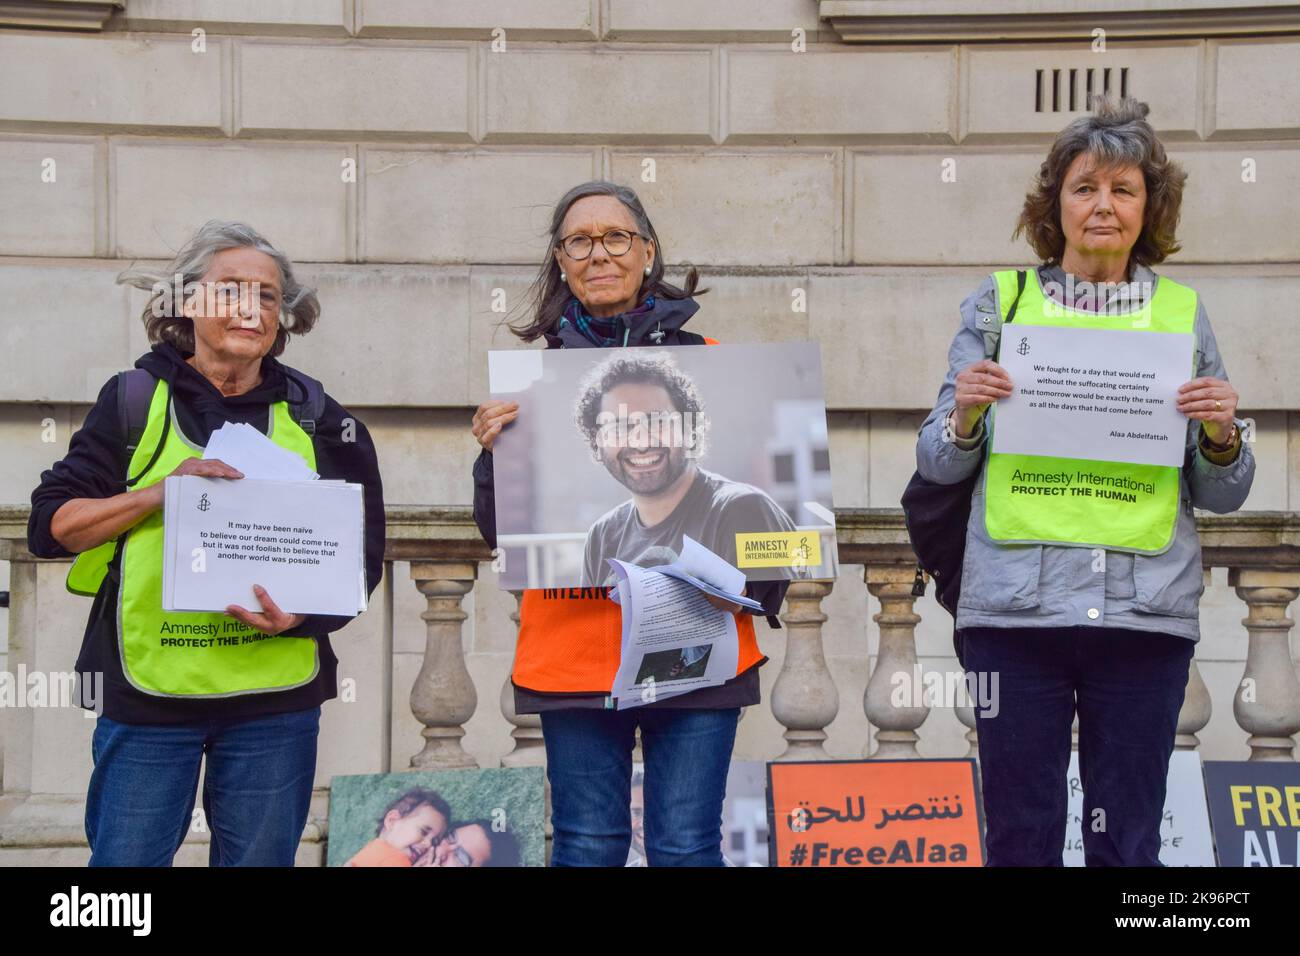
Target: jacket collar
667	316
1142	275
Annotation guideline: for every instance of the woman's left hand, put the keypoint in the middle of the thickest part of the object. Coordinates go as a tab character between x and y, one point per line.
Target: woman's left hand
271	621
729	606
1212	402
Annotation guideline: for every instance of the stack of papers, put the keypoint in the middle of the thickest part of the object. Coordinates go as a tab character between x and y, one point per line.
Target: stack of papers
704	570
280	526
244	448
674	640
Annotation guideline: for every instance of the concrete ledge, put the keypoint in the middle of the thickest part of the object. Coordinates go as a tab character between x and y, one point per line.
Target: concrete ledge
524	19
908	21
722	20
294	17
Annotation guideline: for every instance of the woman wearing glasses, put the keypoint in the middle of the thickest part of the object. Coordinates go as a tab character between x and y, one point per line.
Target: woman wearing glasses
602	285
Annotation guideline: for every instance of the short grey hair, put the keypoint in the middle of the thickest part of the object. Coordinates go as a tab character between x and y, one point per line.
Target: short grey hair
163	318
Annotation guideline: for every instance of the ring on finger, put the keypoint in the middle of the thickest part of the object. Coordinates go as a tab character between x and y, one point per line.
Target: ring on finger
1218	405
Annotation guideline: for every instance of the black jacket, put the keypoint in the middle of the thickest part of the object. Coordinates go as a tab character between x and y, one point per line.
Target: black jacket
668	316
95	467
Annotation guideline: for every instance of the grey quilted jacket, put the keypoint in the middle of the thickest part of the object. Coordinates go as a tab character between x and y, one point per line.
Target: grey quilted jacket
1052	586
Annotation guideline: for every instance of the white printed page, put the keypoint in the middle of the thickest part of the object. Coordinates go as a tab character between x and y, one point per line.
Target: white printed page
1095	394
674	640
301	540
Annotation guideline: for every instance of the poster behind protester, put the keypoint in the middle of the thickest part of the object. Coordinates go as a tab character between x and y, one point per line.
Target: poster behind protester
619	453
1255	809
1184	826
391	819
870	813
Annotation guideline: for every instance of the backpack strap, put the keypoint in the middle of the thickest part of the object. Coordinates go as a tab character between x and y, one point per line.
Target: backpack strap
135	388
307	404
991	324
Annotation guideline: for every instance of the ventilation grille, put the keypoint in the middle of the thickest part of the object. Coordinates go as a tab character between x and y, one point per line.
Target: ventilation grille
1072	90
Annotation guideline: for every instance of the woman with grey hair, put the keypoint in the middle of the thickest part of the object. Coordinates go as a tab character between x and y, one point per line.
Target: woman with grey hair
243	688
602	285
1084	603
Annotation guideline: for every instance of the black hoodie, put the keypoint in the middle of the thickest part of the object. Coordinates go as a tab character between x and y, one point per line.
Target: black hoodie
95	466
668	316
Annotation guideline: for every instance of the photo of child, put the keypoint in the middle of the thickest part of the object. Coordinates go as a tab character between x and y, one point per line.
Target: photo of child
409	829
441	818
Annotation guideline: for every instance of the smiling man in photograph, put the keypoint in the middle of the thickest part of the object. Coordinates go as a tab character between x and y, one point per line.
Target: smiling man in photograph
643	419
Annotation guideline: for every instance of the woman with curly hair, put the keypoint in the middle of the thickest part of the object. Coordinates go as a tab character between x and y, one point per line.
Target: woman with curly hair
1084	604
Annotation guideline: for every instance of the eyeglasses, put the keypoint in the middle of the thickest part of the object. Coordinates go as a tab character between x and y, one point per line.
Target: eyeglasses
616	242
460	853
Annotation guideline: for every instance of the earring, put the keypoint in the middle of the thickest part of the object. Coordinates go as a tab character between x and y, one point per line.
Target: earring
647	270
563	277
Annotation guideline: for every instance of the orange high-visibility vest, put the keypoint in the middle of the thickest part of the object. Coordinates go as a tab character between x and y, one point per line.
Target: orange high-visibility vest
569	639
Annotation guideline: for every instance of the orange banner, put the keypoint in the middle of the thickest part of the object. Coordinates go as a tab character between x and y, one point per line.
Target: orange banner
874	813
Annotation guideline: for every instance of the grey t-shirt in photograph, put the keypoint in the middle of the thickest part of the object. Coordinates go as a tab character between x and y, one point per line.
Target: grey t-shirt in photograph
713	512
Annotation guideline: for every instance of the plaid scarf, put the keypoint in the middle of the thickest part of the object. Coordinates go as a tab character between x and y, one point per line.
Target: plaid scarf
604	332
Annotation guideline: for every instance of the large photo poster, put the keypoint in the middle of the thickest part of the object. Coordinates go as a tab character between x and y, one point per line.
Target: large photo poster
440	818
620	453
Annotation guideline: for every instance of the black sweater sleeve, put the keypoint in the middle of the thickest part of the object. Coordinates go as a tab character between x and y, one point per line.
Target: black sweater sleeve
94	467
344	449
485	499
770	594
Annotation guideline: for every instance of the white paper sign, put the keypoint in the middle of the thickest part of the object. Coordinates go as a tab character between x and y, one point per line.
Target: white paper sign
1184	826
1096	394
301	540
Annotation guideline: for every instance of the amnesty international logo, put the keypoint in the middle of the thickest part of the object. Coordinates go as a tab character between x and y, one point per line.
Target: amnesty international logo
204	504
778	549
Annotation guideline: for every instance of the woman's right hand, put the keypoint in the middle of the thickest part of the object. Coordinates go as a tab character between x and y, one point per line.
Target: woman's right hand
492	416
84	523
978	385
205	468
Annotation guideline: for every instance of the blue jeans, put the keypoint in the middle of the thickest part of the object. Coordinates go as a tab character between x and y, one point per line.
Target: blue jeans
1128	688
589	764
256	789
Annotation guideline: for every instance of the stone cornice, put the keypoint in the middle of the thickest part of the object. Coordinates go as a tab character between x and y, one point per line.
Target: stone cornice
964	21
58	14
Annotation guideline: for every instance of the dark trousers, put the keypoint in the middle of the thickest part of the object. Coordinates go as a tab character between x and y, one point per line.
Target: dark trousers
1127	687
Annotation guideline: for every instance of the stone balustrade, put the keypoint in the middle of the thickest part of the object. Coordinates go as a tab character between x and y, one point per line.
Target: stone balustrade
41	799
